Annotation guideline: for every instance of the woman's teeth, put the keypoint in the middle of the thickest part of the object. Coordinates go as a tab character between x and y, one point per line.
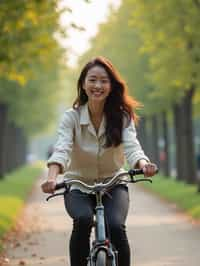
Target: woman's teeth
97	92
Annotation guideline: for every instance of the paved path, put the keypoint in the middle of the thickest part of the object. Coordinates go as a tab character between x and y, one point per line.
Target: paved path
159	235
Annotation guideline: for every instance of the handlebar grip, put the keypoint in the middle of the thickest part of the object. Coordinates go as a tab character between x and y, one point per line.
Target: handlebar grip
60	185
139	172
133	172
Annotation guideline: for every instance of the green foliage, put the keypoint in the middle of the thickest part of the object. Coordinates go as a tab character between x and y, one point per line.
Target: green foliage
27	31
14	189
33	105
31	64
183	195
170	35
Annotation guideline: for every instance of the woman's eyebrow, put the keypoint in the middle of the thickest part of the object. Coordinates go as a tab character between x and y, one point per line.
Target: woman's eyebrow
94	76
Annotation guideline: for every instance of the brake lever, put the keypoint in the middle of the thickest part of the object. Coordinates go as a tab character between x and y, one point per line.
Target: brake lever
54	195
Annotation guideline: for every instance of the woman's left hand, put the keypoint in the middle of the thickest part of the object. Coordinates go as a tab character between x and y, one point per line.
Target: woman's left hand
150	169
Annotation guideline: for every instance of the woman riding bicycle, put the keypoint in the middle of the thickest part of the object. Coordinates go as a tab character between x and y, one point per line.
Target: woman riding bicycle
94	138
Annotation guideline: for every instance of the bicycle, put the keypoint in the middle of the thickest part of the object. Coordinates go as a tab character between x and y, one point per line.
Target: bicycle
102	252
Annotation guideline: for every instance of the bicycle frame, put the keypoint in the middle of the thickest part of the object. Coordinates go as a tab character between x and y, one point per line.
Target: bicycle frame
101	242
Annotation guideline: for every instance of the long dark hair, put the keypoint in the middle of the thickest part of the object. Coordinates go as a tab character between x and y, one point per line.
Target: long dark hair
118	103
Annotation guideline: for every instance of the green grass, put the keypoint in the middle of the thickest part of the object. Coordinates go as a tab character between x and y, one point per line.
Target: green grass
14	189
185	196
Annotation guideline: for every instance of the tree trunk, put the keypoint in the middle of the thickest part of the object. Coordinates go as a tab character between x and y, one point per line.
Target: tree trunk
185	156
180	158
9	150
17	146
12	144
3	123
166	167
191	173
155	148
23	147
20	149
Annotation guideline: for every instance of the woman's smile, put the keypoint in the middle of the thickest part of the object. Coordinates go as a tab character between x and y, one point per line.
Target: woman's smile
97	93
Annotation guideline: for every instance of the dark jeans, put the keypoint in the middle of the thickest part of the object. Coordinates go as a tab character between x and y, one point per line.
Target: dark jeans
80	206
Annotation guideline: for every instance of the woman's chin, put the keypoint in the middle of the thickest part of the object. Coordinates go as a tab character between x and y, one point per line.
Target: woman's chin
97	101
97	98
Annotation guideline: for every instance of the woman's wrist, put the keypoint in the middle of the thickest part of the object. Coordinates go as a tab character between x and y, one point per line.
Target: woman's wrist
142	163
54	170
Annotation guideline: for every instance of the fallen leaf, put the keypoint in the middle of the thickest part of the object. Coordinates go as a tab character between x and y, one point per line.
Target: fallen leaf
6	260
22	262
17	244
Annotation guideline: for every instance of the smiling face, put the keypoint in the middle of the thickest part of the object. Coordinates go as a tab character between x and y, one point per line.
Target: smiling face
97	84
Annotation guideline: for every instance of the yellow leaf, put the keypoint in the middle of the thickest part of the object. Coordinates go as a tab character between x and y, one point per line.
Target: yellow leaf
32	17
177	83
20	78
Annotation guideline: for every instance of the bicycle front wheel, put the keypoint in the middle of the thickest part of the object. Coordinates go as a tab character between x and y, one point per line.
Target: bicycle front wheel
101	259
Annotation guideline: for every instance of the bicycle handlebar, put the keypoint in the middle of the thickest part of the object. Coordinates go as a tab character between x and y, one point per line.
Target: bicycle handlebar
131	173
101	186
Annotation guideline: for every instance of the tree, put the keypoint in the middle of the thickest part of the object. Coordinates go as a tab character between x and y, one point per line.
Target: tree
171	38
29	71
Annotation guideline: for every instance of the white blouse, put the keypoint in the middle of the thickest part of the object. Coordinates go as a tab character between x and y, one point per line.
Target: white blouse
80	151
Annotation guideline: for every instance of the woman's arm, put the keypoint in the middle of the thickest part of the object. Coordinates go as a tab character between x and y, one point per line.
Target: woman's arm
63	146
58	162
134	153
49	185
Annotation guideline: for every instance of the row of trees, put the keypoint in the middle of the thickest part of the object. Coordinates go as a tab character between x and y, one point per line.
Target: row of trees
31	61
156	47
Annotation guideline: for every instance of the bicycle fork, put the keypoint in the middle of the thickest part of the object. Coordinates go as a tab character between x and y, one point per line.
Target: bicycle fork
101	242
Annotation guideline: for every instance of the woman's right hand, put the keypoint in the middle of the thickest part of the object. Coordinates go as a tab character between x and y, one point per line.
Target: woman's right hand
49	186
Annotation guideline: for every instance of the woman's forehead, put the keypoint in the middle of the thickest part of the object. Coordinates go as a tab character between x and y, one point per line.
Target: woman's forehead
97	71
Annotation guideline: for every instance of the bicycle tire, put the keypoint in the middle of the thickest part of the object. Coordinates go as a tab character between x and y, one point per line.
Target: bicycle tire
101	259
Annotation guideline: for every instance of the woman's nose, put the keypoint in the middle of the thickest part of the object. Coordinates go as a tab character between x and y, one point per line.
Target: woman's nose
97	84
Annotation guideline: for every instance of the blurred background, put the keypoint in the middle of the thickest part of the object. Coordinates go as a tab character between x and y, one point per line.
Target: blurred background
154	44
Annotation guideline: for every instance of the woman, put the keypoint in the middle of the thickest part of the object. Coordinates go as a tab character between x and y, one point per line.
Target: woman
93	138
